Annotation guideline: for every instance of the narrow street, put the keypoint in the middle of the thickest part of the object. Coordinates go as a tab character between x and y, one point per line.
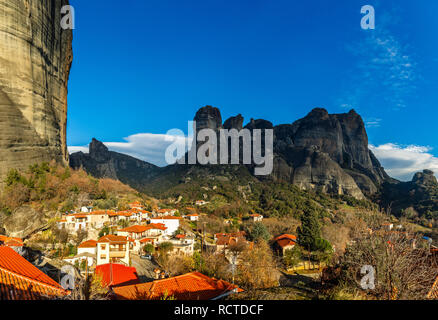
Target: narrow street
145	268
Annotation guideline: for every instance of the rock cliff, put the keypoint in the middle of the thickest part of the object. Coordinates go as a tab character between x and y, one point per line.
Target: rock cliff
102	163
35	60
322	151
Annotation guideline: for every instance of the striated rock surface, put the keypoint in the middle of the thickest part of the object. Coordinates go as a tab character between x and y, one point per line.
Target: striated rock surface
102	163
35	60
208	117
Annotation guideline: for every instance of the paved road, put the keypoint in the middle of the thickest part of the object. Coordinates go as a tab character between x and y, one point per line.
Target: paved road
145	268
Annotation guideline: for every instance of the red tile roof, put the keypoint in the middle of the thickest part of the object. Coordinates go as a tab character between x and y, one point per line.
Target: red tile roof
88	244
20	280
286	240
112	239
189	286
146	240
167	218
11	241
135	229
159	226
114	274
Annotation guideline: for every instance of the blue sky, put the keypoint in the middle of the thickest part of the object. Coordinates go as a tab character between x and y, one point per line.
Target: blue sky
142	67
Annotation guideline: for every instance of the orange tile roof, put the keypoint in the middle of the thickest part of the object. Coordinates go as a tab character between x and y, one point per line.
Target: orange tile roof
11	241
124	214
286	240
167	218
79	215
135	229
189	286
114	274
146	240
159	226
193	215
88	244
286	236
112	238
20	280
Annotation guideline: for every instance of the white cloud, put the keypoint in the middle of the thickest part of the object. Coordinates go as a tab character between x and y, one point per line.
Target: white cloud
402	162
372	122
145	146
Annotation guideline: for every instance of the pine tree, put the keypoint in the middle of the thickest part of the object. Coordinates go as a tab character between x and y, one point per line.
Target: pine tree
310	229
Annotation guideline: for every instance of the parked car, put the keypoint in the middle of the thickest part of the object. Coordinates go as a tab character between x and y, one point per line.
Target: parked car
147	256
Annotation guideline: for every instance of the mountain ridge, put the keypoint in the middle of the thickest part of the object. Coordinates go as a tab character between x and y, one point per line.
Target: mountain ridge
321	151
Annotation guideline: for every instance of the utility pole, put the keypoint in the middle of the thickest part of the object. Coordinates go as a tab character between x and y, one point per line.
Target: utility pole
233	267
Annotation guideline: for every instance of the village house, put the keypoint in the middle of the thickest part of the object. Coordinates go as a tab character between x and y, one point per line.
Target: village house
189	286
74	222
113	249
135	205
21	280
136	233
193	217
201	202
225	240
14	243
182	244
97	219
87	251
114	275
284	242
388	226
164	212
170	222
256	217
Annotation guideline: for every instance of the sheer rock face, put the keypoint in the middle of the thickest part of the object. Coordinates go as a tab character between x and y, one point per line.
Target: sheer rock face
35	60
339	141
322	151
208	117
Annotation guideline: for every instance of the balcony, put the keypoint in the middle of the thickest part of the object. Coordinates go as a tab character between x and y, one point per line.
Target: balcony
117	254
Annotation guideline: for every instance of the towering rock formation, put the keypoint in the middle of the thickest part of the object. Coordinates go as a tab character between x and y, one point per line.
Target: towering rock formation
35	60
322	151
328	152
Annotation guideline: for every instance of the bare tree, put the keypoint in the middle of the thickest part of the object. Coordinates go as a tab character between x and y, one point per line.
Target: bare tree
403	269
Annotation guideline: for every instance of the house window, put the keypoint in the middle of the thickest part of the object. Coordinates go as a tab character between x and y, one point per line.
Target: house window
103	257
102	247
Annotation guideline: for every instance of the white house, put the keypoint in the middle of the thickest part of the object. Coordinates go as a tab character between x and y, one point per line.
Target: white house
170	222
193	217
182	244
113	249
256	217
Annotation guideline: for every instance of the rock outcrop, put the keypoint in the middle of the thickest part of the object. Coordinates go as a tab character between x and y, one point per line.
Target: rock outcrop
419	195
322	151
19	225
102	163
35	60
328	152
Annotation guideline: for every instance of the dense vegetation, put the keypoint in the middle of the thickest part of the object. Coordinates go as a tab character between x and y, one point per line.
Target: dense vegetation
49	186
